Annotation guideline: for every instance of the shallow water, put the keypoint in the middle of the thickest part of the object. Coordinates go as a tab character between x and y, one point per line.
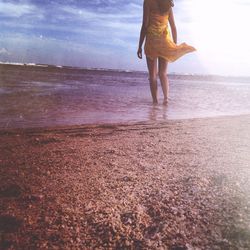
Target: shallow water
48	96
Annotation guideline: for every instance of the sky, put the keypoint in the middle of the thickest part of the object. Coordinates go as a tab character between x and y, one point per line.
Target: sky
105	33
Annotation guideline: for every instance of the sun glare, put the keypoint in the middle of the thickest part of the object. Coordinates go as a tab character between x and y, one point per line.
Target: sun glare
219	32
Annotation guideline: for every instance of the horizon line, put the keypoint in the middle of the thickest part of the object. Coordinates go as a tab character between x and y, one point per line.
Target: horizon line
116	69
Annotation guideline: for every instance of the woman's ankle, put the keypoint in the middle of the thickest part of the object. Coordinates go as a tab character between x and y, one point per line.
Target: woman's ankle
155	101
165	101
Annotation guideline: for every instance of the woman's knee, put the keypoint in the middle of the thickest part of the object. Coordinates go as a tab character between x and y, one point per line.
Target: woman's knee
152	78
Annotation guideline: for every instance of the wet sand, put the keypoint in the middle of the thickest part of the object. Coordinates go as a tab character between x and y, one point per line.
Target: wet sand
174	185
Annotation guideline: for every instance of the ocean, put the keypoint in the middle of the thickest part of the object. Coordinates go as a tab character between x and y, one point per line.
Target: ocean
46	95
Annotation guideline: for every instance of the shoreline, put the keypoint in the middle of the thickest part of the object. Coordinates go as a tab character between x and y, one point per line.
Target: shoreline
180	184
101	125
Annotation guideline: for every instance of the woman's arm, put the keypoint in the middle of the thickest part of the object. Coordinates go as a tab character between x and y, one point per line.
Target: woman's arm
144	26
172	25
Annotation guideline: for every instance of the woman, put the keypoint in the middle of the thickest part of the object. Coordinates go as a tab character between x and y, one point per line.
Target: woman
159	45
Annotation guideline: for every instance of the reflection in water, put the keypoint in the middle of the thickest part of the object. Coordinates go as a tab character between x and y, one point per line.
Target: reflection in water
37	97
157	112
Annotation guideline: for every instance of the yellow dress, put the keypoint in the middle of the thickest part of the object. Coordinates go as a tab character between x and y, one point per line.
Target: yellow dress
159	42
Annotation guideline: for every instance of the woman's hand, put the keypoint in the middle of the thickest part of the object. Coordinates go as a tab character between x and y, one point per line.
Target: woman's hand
139	53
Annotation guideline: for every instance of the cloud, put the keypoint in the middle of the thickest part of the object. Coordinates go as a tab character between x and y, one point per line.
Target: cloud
129	12
4	51
15	10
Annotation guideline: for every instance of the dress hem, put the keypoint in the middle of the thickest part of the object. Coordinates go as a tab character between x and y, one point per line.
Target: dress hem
167	58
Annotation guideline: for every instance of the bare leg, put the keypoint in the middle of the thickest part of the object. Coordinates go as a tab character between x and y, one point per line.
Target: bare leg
163	78
152	70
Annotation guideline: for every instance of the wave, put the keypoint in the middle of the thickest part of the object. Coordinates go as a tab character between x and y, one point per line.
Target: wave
31	64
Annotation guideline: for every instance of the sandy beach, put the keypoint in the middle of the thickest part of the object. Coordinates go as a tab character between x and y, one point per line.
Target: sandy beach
173	185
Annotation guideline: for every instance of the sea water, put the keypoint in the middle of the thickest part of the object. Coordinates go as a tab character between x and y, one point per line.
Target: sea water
43	96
